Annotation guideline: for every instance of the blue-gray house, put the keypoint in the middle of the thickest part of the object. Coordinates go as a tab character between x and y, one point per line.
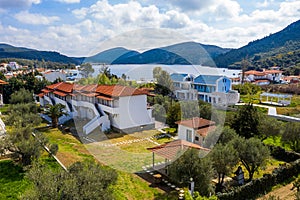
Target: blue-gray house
209	88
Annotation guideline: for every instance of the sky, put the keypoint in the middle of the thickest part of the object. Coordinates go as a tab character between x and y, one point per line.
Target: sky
85	27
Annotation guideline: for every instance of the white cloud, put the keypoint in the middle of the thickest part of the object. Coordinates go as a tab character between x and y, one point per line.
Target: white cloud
264	4
35	18
17	4
69	1
143	25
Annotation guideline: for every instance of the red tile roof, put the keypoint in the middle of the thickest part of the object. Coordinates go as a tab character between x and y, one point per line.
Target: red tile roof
65	87
90	88
41	95
273	71
93	94
53	86
62	94
104	97
103	90
45	91
118	90
196	123
78	87
171	150
256	73
262	81
204	131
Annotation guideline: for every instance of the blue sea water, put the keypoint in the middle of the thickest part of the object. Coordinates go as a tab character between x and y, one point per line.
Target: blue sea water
144	72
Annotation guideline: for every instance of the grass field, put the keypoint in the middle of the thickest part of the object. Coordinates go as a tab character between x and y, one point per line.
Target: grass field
129	186
12	180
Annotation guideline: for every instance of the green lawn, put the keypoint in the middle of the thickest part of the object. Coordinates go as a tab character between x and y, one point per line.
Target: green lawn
70	149
12	180
127	157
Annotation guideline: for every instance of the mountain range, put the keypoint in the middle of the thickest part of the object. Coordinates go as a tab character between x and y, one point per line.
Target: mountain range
284	41
9	51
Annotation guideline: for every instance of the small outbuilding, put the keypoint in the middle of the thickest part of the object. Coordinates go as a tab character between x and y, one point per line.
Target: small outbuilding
195	130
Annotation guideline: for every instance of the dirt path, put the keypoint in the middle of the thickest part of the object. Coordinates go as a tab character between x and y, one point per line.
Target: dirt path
284	193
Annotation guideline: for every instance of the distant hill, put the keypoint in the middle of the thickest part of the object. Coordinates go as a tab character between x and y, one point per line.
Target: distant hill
9	51
110	55
183	53
282	41
154	56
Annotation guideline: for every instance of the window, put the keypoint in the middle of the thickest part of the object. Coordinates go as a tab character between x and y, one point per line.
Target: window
197	138
189	135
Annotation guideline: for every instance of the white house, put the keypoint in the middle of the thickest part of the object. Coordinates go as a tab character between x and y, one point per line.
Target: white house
194	130
209	88
106	106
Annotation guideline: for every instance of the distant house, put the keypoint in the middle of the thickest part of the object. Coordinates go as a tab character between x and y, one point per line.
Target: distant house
235	80
209	88
264	77
194	130
104	106
13	65
291	79
53	75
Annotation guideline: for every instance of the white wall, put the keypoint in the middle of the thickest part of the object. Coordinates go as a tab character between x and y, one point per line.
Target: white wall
182	133
133	111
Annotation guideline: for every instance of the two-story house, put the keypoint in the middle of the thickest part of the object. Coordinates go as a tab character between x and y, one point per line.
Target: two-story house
209	88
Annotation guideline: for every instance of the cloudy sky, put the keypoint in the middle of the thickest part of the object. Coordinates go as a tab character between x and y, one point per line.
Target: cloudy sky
79	27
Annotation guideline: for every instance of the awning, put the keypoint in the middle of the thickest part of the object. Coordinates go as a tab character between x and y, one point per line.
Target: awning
60	93
41	95
45	91
104	98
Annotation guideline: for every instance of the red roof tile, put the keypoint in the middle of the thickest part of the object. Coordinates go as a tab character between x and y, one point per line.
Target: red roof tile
273	71
41	95
78	87
256	73
62	94
45	91
104	97
103	90
204	131
118	90
93	94
62	86
53	86
196	123
65	87
89	88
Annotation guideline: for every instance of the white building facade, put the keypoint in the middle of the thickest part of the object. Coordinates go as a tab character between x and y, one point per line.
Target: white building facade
209	88
121	108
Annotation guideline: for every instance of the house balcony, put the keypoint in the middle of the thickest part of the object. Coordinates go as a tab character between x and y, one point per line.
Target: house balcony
63	102
48	99
90	105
